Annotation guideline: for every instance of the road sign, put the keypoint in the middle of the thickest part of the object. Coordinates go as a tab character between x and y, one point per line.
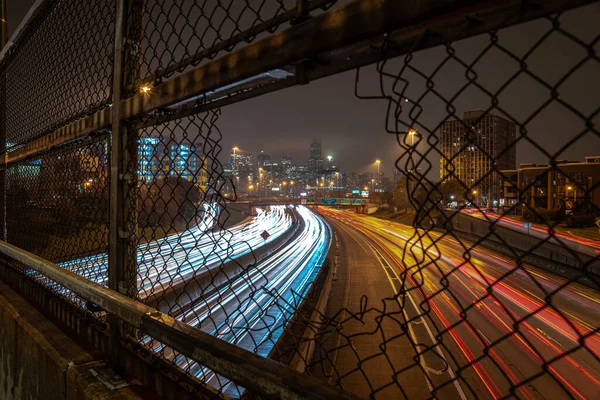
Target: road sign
527	225
265	235
569	204
329	202
345	202
310	201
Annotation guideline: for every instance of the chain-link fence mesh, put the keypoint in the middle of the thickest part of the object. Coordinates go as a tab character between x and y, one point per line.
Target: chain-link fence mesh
56	75
57	204
177	35
475	311
462	304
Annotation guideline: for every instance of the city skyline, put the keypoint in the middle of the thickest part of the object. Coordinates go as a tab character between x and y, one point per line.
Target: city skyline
358	125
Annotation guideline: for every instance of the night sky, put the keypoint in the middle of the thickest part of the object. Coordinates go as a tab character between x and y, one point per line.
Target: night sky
352	130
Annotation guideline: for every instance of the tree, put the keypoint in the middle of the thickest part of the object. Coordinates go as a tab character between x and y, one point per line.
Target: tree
400	195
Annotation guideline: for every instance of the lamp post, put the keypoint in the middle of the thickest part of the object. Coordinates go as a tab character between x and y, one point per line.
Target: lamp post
412	133
260	185
377	182
574	193
235	167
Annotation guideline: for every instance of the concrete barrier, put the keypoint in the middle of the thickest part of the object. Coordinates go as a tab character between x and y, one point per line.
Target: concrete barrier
296	346
564	261
39	361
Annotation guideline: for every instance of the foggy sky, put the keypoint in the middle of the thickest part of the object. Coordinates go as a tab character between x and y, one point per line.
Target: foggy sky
353	130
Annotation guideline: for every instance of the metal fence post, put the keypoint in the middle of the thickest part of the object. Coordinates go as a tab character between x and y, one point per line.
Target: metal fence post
122	254
118	234
3	40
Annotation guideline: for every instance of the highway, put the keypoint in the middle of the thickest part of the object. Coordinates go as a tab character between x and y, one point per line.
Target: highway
474	304
253	309
175	258
583	245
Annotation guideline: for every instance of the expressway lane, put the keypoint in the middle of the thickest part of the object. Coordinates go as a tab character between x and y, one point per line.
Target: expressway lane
363	270
253	309
474	304
168	261
583	245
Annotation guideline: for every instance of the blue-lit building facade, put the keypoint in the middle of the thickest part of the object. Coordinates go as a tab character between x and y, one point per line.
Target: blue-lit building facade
158	161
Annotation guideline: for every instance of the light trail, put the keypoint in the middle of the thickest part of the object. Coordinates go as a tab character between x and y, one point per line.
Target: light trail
489	281
253	310
171	260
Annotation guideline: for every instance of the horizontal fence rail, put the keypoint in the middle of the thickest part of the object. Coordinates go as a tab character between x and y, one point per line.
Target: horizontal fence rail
267	377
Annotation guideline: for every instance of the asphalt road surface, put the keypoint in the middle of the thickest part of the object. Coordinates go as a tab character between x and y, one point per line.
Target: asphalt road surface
483	326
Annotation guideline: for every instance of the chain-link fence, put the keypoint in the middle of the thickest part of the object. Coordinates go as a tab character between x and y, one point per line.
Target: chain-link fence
464	301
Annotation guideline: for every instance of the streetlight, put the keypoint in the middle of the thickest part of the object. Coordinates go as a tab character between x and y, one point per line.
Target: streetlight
145	89
378	163
260	176
235	166
412	133
574	193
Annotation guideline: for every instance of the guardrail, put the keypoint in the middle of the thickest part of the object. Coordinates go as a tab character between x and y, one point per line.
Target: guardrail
263	376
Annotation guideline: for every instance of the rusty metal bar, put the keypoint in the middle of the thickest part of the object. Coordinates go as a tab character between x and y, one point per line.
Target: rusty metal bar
3	99
117	254
3	28
336	53
33	12
263	376
296	14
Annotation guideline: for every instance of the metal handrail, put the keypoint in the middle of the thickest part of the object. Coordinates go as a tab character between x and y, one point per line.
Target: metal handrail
261	375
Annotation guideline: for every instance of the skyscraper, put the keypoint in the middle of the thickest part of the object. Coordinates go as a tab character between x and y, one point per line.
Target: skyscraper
262	159
474	149
315	160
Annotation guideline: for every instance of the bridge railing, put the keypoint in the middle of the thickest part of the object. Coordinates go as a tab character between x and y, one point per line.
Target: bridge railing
109	132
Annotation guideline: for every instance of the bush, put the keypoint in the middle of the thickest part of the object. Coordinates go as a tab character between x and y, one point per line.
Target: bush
559	215
581	221
540	215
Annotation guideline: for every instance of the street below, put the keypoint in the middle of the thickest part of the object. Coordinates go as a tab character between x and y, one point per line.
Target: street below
477	322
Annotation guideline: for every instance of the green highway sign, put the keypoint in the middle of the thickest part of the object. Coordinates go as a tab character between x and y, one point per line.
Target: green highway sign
310	201
345	202
329	202
358	202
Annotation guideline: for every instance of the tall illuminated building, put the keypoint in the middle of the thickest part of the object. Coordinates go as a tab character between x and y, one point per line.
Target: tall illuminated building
474	149
315	158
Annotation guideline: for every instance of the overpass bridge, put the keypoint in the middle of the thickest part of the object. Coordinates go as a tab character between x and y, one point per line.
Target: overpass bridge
360	205
111	136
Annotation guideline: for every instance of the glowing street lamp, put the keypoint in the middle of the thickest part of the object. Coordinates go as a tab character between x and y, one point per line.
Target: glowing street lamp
378	164
412	133
574	193
145	89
